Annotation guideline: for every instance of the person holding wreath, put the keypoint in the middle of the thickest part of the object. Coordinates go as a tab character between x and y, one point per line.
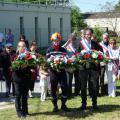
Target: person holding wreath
57	76
21	79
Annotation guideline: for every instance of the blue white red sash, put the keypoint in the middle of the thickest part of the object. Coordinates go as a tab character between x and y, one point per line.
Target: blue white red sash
105	48
85	45
115	62
110	53
70	48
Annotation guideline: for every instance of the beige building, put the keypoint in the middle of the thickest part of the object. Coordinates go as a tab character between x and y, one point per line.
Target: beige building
35	21
110	21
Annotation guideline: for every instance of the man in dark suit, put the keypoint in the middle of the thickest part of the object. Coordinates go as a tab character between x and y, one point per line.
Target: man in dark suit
21	78
89	74
5	64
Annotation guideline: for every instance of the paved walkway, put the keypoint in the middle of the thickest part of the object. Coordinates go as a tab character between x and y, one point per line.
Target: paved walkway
6	103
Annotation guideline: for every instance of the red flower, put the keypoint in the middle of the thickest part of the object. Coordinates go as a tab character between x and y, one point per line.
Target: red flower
86	56
70	60
56	61
77	54
28	56
100	57
15	57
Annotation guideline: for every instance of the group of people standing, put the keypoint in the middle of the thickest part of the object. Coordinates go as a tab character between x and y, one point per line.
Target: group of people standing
22	80
91	77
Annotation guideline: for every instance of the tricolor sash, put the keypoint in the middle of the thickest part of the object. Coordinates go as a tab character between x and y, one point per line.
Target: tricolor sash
105	48
115	62
110	53
70	48
85	45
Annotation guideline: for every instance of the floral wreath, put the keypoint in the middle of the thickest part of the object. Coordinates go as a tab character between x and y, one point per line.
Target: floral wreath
56	37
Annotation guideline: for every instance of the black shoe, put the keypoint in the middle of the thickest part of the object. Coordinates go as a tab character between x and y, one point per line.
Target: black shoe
82	108
76	94
19	114
7	95
24	115
65	108
95	107
55	109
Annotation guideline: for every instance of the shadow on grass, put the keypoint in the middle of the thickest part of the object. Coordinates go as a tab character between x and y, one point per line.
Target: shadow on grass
117	93
118	87
75	113
3	98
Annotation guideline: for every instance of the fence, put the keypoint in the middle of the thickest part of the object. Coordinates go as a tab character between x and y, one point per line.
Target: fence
39	2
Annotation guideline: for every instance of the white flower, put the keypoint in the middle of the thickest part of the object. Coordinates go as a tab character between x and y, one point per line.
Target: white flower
48	60
83	52
94	55
34	57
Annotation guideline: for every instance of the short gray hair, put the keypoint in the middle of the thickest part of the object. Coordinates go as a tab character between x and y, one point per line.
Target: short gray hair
105	34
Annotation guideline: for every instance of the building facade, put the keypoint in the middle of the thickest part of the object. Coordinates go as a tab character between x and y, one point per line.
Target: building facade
37	22
110	20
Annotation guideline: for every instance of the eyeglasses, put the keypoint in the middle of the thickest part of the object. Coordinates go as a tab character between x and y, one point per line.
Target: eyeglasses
87	34
113	43
20	46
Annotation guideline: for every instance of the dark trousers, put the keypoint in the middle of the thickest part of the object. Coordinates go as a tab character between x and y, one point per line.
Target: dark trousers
61	78
91	77
103	86
9	83
21	92
77	83
98	86
31	86
69	83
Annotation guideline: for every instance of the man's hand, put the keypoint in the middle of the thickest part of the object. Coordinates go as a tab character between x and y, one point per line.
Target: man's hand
116	78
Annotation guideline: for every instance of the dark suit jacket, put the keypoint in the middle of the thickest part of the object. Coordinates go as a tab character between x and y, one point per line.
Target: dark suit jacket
5	61
94	46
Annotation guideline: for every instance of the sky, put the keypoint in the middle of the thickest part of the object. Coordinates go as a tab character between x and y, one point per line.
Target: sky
91	5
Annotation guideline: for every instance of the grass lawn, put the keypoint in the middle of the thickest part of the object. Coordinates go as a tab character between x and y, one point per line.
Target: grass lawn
109	109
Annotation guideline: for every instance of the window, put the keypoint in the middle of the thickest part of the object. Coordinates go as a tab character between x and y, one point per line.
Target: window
21	25
61	26
36	29
49	28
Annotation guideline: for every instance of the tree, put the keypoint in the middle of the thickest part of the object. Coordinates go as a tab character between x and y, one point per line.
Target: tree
117	6
98	33
107	7
77	21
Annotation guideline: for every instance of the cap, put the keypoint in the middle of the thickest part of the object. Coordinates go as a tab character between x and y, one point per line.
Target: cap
8	45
